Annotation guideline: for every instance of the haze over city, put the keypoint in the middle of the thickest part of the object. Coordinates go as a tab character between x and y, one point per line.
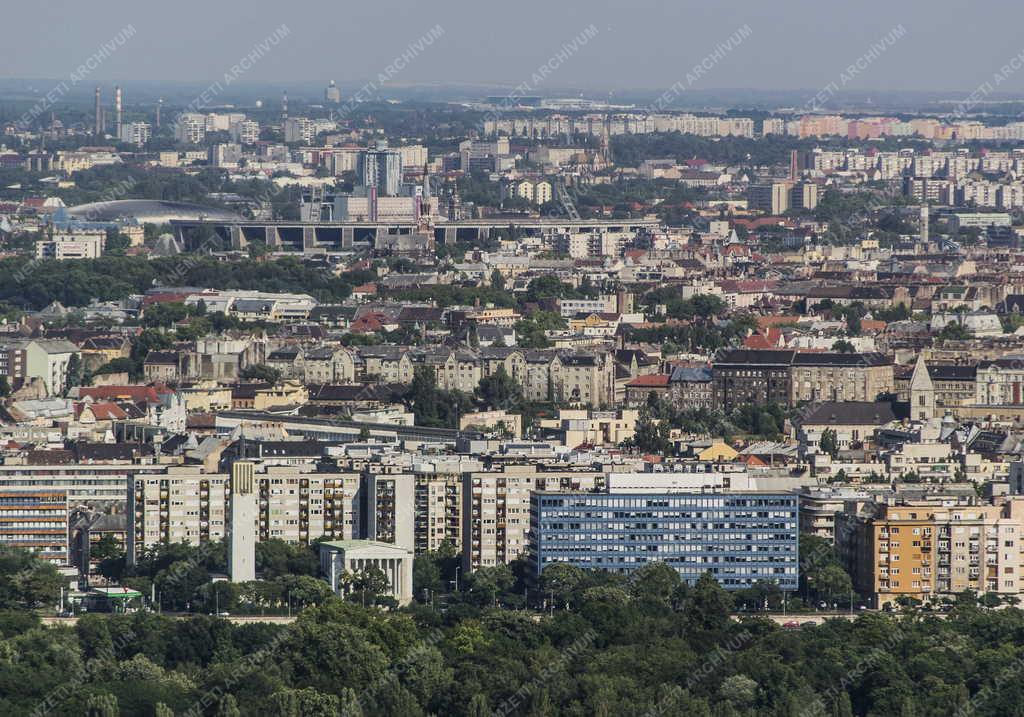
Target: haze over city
644	44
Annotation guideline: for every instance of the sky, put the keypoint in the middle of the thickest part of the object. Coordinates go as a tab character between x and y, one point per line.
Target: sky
634	44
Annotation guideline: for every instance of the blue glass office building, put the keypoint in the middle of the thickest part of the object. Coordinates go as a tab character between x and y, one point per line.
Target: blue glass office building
740	538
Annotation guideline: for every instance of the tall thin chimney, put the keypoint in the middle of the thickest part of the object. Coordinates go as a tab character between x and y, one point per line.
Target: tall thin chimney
98	129
284	105
159	106
117	112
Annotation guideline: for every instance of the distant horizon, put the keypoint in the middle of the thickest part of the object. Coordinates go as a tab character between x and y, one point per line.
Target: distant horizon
596	46
309	92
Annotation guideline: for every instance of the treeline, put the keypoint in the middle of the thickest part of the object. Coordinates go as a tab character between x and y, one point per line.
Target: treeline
605	645
34	284
701	335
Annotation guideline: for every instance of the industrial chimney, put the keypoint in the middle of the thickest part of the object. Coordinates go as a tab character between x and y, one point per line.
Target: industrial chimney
99	115
117	112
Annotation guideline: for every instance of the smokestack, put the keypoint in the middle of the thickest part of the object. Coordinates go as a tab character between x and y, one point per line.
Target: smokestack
117	112
159	106
99	115
284	105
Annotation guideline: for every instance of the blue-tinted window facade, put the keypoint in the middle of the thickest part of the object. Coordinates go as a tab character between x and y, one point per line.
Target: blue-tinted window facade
741	539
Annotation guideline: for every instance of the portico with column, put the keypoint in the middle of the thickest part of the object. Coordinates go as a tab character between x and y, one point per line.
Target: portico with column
352	556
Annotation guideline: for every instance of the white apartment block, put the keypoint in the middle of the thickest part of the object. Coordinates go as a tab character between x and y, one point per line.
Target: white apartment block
190	128
299	129
245	132
184	504
79	245
137	133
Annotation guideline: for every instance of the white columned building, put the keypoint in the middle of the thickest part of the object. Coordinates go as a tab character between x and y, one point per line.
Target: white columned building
352	556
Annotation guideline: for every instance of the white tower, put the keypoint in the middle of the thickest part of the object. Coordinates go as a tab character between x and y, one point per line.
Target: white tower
243	514
117	112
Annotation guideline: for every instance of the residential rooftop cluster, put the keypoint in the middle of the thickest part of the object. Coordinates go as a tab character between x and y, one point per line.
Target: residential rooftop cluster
558	337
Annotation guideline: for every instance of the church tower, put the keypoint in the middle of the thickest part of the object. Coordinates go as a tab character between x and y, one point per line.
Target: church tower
922	392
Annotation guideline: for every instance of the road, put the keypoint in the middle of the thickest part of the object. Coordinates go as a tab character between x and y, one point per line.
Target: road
819	617
815	617
237	619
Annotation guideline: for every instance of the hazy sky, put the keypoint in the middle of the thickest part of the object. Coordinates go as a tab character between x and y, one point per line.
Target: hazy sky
640	43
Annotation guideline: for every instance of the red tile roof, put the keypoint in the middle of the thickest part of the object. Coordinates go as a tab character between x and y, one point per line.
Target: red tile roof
652	380
130	393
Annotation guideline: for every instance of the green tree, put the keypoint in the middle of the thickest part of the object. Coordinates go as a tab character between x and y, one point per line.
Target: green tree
654	581
228	707
479	706
366	586
107	547
73	374
652	434
27	581
739	690
833	582
485	585
499	391
102	705
497	280
116	243
709	606
426	575
561	581
308	703
530	330
829	442
954	331
303	590
262	373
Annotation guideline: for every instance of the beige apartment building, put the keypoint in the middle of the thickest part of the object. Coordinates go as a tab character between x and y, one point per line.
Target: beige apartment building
390	508
587	380
922	551
840	377
438	510
390	364
496	509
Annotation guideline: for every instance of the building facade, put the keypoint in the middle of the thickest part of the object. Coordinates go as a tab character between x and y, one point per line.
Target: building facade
740	538
186	505
752	377
922	551
36	521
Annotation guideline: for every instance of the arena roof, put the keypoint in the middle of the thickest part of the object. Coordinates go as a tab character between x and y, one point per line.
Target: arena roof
148	211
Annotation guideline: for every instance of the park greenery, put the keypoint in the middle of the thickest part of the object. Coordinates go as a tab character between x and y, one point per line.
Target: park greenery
574	643
659	416
34	284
